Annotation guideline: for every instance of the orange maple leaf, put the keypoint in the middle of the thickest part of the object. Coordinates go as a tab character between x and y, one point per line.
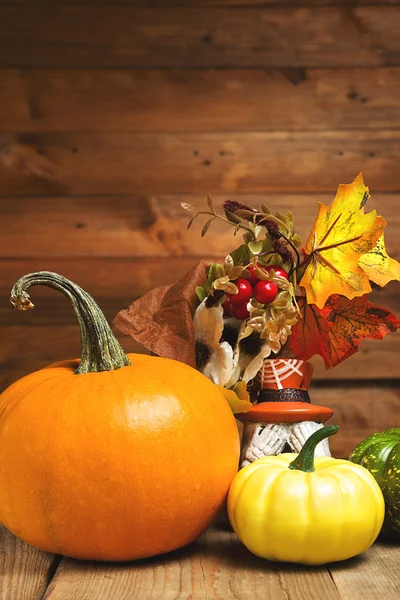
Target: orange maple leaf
335	332
341	235
310	335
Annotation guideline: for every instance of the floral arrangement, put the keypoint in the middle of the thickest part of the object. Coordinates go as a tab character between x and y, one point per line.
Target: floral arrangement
271	297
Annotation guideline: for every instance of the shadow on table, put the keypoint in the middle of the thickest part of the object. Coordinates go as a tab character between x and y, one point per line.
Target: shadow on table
221	548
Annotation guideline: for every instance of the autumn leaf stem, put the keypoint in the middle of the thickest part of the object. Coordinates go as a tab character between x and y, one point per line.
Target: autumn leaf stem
337	244
330	229
317	252
327	262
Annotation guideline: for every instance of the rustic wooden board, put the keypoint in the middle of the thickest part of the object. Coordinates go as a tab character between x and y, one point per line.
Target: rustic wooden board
24	571
138	226
199	37
359	409
102	277
208	3
81	163
105	277
115	283
25	348
217	566
35	100
54	310
381	568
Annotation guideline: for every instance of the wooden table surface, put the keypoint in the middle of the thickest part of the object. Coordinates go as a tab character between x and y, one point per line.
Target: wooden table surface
216	566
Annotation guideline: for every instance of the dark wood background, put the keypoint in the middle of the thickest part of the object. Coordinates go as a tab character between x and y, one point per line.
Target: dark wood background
112	113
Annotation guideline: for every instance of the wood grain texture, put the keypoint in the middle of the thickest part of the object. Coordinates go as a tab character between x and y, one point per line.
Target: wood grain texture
359	409
380	566
105	277
208	3
55	311
24	571
216	566
105	36
25	348
138	226
35	100
80	163
117	282
101	277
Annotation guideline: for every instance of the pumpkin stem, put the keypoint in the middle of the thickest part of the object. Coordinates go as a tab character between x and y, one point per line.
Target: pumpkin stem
305	460
100	349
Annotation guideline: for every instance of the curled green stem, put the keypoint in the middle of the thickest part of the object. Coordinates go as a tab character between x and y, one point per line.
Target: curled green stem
305	460
100	349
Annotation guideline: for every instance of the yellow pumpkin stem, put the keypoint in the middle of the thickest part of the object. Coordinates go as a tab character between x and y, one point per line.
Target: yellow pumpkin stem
100	349
305	460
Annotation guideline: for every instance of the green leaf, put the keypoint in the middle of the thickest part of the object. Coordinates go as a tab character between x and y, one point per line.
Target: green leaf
236	229
266	209
261	274
191	222
206	226
210	277
279	304
267	245
241	255
232	217
219	271
245	214
275	259
257	230
201	293
248	237
297	241
290	217
255	247
236	272
210	203
211	270
281	217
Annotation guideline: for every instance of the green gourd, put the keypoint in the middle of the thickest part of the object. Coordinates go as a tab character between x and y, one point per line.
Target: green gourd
380	454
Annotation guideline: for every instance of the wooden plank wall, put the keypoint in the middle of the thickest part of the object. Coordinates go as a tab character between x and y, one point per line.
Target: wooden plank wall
111	113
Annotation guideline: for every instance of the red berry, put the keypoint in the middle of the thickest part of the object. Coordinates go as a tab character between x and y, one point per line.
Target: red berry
253	277
245	292
227	306
265	292
278	270
239	311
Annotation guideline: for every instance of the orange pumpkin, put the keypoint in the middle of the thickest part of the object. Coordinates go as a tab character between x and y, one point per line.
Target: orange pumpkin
111	457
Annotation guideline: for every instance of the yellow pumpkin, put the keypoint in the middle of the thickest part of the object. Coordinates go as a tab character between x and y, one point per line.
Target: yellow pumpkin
111	457
306	510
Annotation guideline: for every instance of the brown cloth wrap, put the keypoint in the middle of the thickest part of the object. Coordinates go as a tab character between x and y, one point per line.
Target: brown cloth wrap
162	319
